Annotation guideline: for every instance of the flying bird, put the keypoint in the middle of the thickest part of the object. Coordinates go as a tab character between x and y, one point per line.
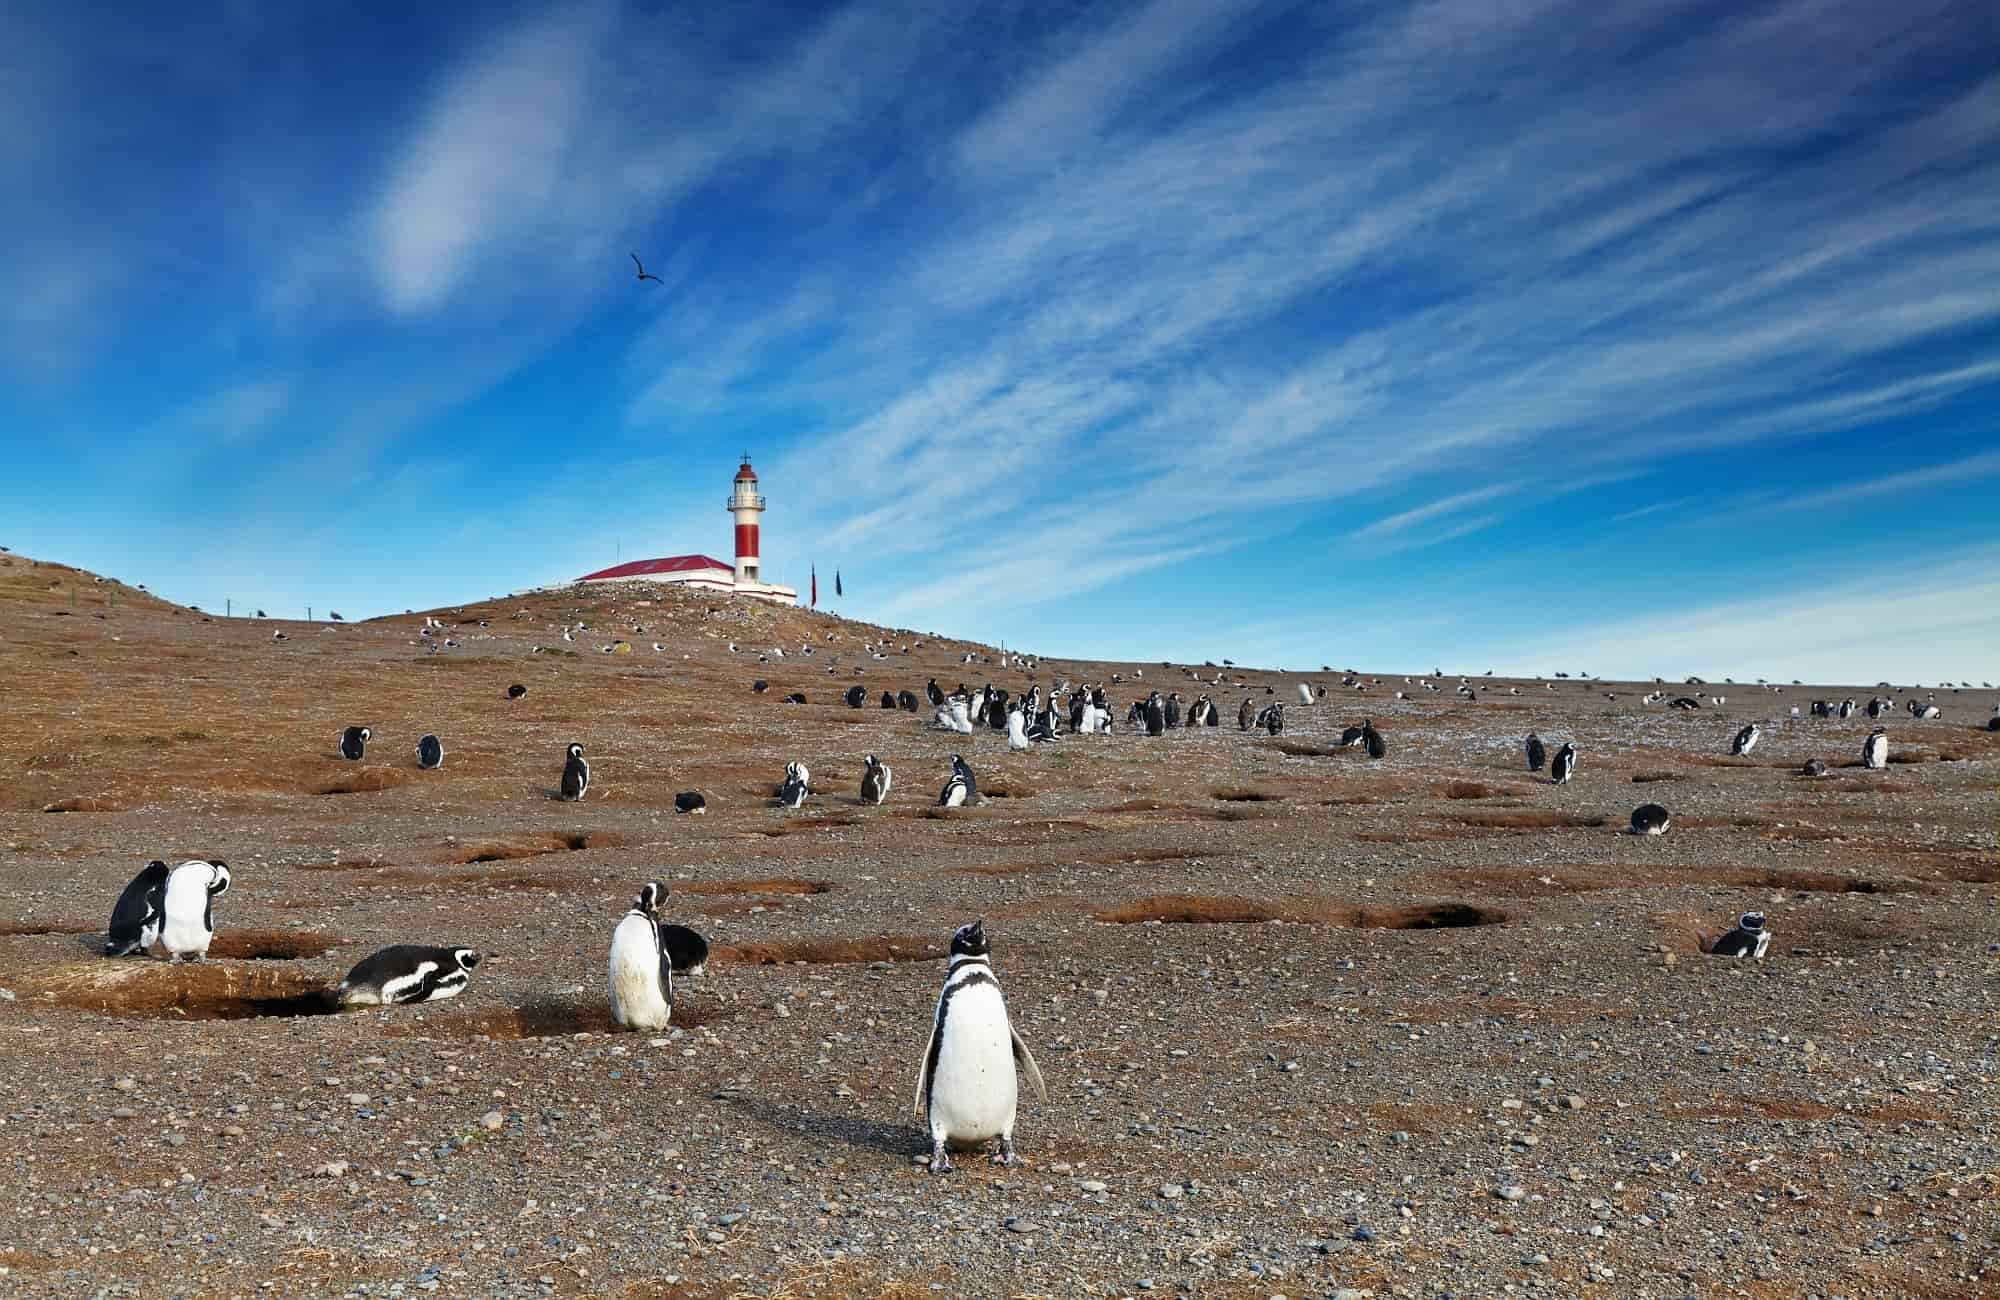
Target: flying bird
642	271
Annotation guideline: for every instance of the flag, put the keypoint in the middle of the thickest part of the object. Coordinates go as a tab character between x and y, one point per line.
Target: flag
836	583
815	595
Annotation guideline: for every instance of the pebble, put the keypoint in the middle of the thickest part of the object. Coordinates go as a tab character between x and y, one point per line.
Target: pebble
127	1085
1171	1191
175	1139
1020	1225
1511	1192
1091	1185
332	1169
492	1120
1572	1102
124	1112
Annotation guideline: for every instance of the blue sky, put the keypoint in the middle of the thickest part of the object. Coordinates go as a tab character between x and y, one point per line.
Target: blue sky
1631	339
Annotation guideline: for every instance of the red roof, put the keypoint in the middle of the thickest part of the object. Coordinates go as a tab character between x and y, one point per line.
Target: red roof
746	473
665	564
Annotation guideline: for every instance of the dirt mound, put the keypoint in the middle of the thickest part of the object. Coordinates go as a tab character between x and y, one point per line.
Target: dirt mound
367	781
509	849
759	885
1199	909
1529	820
205	991
830	951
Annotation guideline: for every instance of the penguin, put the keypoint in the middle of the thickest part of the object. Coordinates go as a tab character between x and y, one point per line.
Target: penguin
690	801
516	691
1305	694
876	778
1993	723
1173	709
687	950
1156	715
430	753
353	742
1847	708
404	973
575	774
906	701
961	788
959	713
933	692
1875	750
888	699
1538	753
1017	729
1245	715
1201	712
856	696
1746	740
1650	819
1877	707
796	697
641	973
1813	767
1371	740
1564	767
798	785
187	910
760	686
967	1090
1273	719
1749	938
139	912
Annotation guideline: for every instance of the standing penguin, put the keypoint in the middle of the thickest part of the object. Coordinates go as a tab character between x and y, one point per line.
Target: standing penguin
1650	819
686	949
1371	740
407	972
1245	714
354	742
856	696
933	692
1156	715
1274	721
1564	767
139	912
576	775
187	924
1538	753
1746	740
1749	938
1875	750
1173	709
1017	728
430	753
967	1092
876	778
798	785
961	788
642	978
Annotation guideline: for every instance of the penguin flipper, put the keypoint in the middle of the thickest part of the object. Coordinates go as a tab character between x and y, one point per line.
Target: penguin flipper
924	1071
1026	1060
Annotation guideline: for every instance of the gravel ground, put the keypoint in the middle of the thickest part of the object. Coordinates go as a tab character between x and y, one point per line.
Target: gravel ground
1312	1025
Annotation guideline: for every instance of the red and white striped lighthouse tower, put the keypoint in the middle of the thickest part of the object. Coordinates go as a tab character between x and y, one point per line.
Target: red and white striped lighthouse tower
745	504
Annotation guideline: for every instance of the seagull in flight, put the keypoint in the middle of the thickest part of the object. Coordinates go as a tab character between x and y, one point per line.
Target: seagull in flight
642	271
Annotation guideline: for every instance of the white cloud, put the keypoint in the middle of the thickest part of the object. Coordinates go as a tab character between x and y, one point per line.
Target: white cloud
1383	528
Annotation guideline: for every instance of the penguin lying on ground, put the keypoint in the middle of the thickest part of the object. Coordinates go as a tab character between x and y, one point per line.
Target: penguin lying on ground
407	972
1650	819
1749	938
690	801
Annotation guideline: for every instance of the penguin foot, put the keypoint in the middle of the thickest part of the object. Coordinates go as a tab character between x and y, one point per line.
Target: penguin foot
940	1162
1006	1156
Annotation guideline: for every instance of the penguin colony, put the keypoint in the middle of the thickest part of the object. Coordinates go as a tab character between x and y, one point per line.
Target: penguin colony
967	1088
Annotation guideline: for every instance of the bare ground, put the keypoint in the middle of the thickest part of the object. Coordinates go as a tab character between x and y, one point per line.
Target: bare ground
1305	1018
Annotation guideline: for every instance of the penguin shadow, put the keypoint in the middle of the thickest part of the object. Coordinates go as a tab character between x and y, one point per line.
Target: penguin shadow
891	1139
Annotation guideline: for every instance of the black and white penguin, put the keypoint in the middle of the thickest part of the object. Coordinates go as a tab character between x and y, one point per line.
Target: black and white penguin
576	775
1877	707
856	695
1564	767
187	911
1156	715
353	742
760	686
641	973
1875	750
796	697
1017	728
967	1090
430	753
1847	708
876	778
960	788
1746	740
1351	736
933	692
407	972
1813	767
1650	819
1371	740
1993	723
1305	693
906	701
888	699
1538	753
797	786
1246	715
1173	709
1273	719
139	912
687	950
516	691
1749	938
690	801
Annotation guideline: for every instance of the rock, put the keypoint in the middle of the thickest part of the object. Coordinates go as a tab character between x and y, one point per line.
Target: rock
174	1139
1171	1191
1511	1192
124	1112
1572	1102
332	1169
127	1085
1020	1225
357	1099
1091	1185
492	1121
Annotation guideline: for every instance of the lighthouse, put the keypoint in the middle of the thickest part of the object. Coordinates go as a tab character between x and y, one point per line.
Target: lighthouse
745	504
